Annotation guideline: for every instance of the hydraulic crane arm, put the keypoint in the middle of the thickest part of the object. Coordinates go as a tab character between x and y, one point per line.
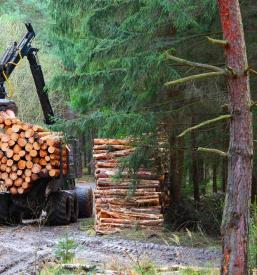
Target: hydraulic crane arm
12	57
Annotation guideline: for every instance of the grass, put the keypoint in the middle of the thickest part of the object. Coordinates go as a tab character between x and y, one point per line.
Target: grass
167	237
87	225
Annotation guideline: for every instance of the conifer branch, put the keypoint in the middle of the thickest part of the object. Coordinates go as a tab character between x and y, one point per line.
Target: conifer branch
219	42
194	64
212	150
194	77
207	122
252	71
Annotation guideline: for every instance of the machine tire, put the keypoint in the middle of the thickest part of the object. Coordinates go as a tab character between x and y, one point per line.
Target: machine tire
59	208
5	202
85	201
74	207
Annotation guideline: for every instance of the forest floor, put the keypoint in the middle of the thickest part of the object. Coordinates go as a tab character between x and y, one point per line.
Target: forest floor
28	249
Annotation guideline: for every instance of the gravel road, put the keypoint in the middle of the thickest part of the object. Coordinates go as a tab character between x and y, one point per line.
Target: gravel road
23	249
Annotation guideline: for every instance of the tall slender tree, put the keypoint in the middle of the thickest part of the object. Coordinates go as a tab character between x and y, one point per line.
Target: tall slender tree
237	203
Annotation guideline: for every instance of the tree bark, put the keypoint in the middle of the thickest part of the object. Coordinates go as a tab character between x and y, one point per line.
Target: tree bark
195	173
176	168
214	178
237	203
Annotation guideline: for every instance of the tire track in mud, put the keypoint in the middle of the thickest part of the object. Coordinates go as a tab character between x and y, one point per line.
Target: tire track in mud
25	248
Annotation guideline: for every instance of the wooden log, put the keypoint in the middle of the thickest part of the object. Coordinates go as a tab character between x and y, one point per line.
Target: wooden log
3	167
16	149
33	153
21	164
8	121
9	162
14	167
22	142
16	157
28	172
53	150
4	159
22	153
54	172
29	164
19	172
13	190
10	114
4	146
8	169
4	176
139	222
11	143
100	141
16	128
36	168
110	147
29	133
13	176
31	140
43	153
20	190
8	182
36	146
28	147
28	157
9	153
18	182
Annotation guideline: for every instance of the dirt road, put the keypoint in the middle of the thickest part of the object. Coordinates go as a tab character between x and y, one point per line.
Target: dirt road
23	249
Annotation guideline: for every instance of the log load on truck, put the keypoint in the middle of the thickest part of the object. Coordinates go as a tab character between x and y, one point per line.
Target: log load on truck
37	167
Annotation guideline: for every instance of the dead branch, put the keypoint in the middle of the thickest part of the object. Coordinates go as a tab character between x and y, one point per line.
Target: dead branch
202	124
212	150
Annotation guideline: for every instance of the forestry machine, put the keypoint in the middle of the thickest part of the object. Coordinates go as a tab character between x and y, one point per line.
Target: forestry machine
55	200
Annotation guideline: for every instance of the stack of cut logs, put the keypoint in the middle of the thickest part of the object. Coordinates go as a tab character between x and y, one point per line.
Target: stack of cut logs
120	201
27	153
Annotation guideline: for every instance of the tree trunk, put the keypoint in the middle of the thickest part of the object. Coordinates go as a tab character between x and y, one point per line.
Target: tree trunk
176	168
237	203
214	178
195	176
224	174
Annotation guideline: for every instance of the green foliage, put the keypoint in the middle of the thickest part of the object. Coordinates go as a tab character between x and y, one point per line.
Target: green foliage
65	249
253	238
113	57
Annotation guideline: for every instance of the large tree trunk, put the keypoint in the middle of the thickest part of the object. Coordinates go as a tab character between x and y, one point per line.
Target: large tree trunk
237	203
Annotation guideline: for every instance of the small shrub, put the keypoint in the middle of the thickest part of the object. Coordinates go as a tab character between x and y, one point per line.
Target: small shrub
65	249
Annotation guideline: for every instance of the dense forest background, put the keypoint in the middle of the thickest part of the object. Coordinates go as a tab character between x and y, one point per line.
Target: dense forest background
106	63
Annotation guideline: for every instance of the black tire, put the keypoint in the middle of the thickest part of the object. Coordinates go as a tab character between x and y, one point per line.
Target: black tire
5	202
85	201
59	208
74	207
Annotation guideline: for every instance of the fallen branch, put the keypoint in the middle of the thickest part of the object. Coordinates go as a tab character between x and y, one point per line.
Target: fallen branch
212	150
207	122
194	77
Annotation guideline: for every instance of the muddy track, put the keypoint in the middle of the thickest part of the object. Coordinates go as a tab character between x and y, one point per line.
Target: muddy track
23	249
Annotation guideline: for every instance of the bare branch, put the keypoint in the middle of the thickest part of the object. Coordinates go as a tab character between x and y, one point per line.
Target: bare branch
219	42
194	64
252	71
212	150
202	124
194	77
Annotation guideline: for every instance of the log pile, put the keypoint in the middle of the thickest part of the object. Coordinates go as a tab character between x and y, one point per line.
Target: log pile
28	152
121	202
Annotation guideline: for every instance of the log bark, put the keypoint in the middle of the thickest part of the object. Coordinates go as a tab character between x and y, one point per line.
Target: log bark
236	210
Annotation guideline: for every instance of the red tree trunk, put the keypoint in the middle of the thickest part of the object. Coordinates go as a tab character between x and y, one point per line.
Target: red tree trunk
237	203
